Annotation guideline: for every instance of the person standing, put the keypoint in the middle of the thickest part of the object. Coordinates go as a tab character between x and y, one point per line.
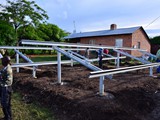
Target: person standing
6	87
158	59
100	56
87	53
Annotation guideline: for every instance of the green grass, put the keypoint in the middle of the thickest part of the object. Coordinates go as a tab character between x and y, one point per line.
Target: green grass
46	58
41	59
23	111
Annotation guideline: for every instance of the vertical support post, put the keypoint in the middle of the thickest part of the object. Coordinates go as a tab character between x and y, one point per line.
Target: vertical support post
88	53
118	61
115	61
17	61
151	71
101	86
59	67
34	72
72	61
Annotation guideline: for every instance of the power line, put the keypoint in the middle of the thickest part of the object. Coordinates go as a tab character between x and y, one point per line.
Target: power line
153	21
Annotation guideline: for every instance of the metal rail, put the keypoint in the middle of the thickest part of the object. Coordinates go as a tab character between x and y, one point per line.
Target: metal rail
34	42
81	61
121	70
28	60
25	47
131	56
149	54
33	64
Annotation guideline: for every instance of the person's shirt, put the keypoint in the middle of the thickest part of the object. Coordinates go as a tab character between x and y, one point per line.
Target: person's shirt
1	56
106	51
7	76
100	52
158	54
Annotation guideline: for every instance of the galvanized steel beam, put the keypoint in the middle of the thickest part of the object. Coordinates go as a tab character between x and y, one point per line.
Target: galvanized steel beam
121	70
35	42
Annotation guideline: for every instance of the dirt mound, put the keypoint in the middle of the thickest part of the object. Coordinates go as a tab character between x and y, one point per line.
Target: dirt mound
136	95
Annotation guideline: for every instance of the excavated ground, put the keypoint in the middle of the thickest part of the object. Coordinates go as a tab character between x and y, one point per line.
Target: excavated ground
136	94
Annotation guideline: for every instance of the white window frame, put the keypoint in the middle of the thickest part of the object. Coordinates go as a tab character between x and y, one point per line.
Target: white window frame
92	42
119	42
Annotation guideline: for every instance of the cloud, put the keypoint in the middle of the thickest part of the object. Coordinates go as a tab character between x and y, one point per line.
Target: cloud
91	15
65	14
153	32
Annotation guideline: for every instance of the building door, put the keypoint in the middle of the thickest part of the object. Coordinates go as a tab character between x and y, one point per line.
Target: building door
119	43
92	42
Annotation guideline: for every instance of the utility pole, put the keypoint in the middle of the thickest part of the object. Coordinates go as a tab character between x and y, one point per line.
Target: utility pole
74	31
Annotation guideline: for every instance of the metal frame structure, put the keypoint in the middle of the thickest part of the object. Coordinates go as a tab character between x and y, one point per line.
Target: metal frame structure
27	59
133	57
76	57
148	54
80	60
35	42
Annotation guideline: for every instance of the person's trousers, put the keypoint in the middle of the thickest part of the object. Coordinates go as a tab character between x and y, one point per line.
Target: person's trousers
6	102
158	68
100	62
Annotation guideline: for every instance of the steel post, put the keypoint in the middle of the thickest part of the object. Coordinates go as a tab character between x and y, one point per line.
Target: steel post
101	85
118	61
59	67
17	61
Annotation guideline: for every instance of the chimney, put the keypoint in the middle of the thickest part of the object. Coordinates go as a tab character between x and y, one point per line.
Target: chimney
113	27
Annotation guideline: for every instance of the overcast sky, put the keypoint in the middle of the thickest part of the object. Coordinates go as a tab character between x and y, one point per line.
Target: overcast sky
93	15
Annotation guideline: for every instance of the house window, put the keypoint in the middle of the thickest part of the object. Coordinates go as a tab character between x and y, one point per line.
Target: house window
119	42
78	47
139	45
91	42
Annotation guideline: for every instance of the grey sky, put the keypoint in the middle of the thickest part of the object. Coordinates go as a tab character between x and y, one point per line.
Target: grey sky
92	15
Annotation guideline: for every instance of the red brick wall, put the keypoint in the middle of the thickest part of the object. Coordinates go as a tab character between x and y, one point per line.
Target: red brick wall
139	36
128	41
109	40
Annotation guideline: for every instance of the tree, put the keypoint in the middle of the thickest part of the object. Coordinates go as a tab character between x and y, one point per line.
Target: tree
28	32
50	32
7	35
155	40
21	13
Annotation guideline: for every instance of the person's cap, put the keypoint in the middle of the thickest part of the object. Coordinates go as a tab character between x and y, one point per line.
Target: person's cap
2	51
6	59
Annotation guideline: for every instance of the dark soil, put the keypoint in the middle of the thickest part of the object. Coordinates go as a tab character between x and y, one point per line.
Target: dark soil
136	94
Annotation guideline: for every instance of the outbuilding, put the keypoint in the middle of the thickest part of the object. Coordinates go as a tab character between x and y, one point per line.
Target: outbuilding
134	37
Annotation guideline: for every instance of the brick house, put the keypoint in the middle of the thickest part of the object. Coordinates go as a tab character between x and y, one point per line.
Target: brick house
124	37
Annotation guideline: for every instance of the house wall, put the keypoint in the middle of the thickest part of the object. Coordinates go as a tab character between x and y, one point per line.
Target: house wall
109	40
129	40
139	36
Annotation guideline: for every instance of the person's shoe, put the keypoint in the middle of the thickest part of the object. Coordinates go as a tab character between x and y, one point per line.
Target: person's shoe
154	76
5	118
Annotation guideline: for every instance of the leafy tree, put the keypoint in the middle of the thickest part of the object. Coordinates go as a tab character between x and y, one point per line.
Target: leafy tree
50	32
28	32
155	40
21	13
7	34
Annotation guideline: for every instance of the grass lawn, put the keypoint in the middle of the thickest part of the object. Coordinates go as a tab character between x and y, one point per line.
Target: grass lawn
23	111
33	111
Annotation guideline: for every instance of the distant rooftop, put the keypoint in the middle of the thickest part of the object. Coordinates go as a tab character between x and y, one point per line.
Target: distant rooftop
112	31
